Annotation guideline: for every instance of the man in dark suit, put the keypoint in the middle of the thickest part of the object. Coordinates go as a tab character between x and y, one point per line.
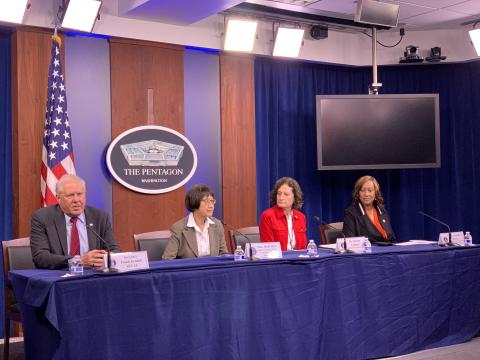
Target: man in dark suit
61	231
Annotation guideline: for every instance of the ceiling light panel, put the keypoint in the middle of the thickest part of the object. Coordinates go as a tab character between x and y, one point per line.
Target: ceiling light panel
240	35
288	42
475	37
81	15
12	11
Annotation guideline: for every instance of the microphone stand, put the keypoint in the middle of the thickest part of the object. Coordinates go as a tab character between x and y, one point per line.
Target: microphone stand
450	243
102	240
250	252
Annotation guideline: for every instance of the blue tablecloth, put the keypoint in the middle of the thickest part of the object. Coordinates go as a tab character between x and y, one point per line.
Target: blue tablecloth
356	306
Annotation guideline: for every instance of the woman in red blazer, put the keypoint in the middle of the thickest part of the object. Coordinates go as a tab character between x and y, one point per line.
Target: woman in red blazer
283	222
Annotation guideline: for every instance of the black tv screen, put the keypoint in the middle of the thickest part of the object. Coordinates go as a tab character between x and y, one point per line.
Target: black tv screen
378	131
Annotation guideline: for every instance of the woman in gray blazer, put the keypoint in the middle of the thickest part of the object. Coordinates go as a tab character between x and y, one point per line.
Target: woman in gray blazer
199	233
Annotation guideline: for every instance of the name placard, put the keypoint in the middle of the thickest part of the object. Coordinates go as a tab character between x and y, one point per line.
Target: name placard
354	244
128	261
263	251
458	238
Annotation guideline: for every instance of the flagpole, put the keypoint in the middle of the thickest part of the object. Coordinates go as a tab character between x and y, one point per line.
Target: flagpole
57	149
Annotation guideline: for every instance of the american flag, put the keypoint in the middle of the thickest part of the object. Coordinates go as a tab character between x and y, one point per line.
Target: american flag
57	152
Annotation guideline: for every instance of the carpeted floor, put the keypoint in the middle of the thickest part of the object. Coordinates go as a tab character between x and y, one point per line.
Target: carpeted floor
467	351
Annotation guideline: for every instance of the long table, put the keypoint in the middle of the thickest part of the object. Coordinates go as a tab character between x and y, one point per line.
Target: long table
394	301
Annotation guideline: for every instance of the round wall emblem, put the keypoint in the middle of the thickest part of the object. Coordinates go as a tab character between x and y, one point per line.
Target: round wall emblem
151	159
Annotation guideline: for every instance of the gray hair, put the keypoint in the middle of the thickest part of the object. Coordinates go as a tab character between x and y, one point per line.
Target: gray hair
64	179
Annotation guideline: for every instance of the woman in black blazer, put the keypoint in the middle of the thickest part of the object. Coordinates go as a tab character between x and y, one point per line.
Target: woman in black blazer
367	216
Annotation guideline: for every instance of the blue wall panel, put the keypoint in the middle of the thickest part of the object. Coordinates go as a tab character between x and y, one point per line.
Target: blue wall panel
88	95
202	119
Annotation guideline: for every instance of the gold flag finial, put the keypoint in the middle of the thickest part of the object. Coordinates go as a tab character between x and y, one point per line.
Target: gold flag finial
56	38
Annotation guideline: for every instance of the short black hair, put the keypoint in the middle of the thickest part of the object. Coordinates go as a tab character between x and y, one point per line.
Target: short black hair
195	195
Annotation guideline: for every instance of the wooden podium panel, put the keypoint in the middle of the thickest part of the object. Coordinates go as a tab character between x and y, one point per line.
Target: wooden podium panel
30	61
237	103
145	76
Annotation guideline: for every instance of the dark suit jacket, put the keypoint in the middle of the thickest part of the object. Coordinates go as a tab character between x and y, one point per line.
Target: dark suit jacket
356	223
48	235
183	241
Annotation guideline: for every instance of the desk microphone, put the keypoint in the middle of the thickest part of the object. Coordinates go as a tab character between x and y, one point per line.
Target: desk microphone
441	223
102	240
250	252
336	229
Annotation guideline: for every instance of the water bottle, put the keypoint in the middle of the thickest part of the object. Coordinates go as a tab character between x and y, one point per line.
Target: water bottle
75	265
312	250
239	254
468	239
367	246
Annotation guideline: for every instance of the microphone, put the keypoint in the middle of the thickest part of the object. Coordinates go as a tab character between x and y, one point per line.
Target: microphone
250	252
441	223
102	240
336	229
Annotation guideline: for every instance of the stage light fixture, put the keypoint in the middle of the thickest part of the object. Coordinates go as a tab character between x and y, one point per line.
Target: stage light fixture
288	42
319	32
475	37
240	35
81	14
12	11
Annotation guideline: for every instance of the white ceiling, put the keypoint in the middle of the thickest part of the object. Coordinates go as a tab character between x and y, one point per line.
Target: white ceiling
430	14
414	14
178	12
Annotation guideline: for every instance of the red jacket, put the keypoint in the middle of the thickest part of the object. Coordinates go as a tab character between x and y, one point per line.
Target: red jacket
273	227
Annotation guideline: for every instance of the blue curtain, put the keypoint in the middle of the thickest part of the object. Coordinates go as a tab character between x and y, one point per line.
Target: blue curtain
286	143
5	135
5	148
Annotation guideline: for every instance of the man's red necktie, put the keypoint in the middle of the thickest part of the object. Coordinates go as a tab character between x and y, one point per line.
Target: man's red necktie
74	238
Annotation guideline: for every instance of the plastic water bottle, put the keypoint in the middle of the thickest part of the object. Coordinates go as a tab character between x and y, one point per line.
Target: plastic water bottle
75	265
468	239
367	246
239	254
312	249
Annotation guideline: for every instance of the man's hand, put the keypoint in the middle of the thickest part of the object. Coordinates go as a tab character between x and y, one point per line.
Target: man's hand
93	258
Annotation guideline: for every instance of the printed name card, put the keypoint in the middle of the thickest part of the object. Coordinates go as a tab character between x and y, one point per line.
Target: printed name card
263	251
128	261
458	238
355	244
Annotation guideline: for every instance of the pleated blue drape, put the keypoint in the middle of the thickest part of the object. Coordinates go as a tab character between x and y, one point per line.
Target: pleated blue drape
5	147
286	143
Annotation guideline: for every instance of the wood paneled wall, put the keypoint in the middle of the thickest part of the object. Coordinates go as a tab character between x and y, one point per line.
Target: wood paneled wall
136	67
30	61
237	108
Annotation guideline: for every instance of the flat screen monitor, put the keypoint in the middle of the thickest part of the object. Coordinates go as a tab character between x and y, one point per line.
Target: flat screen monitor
378	131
